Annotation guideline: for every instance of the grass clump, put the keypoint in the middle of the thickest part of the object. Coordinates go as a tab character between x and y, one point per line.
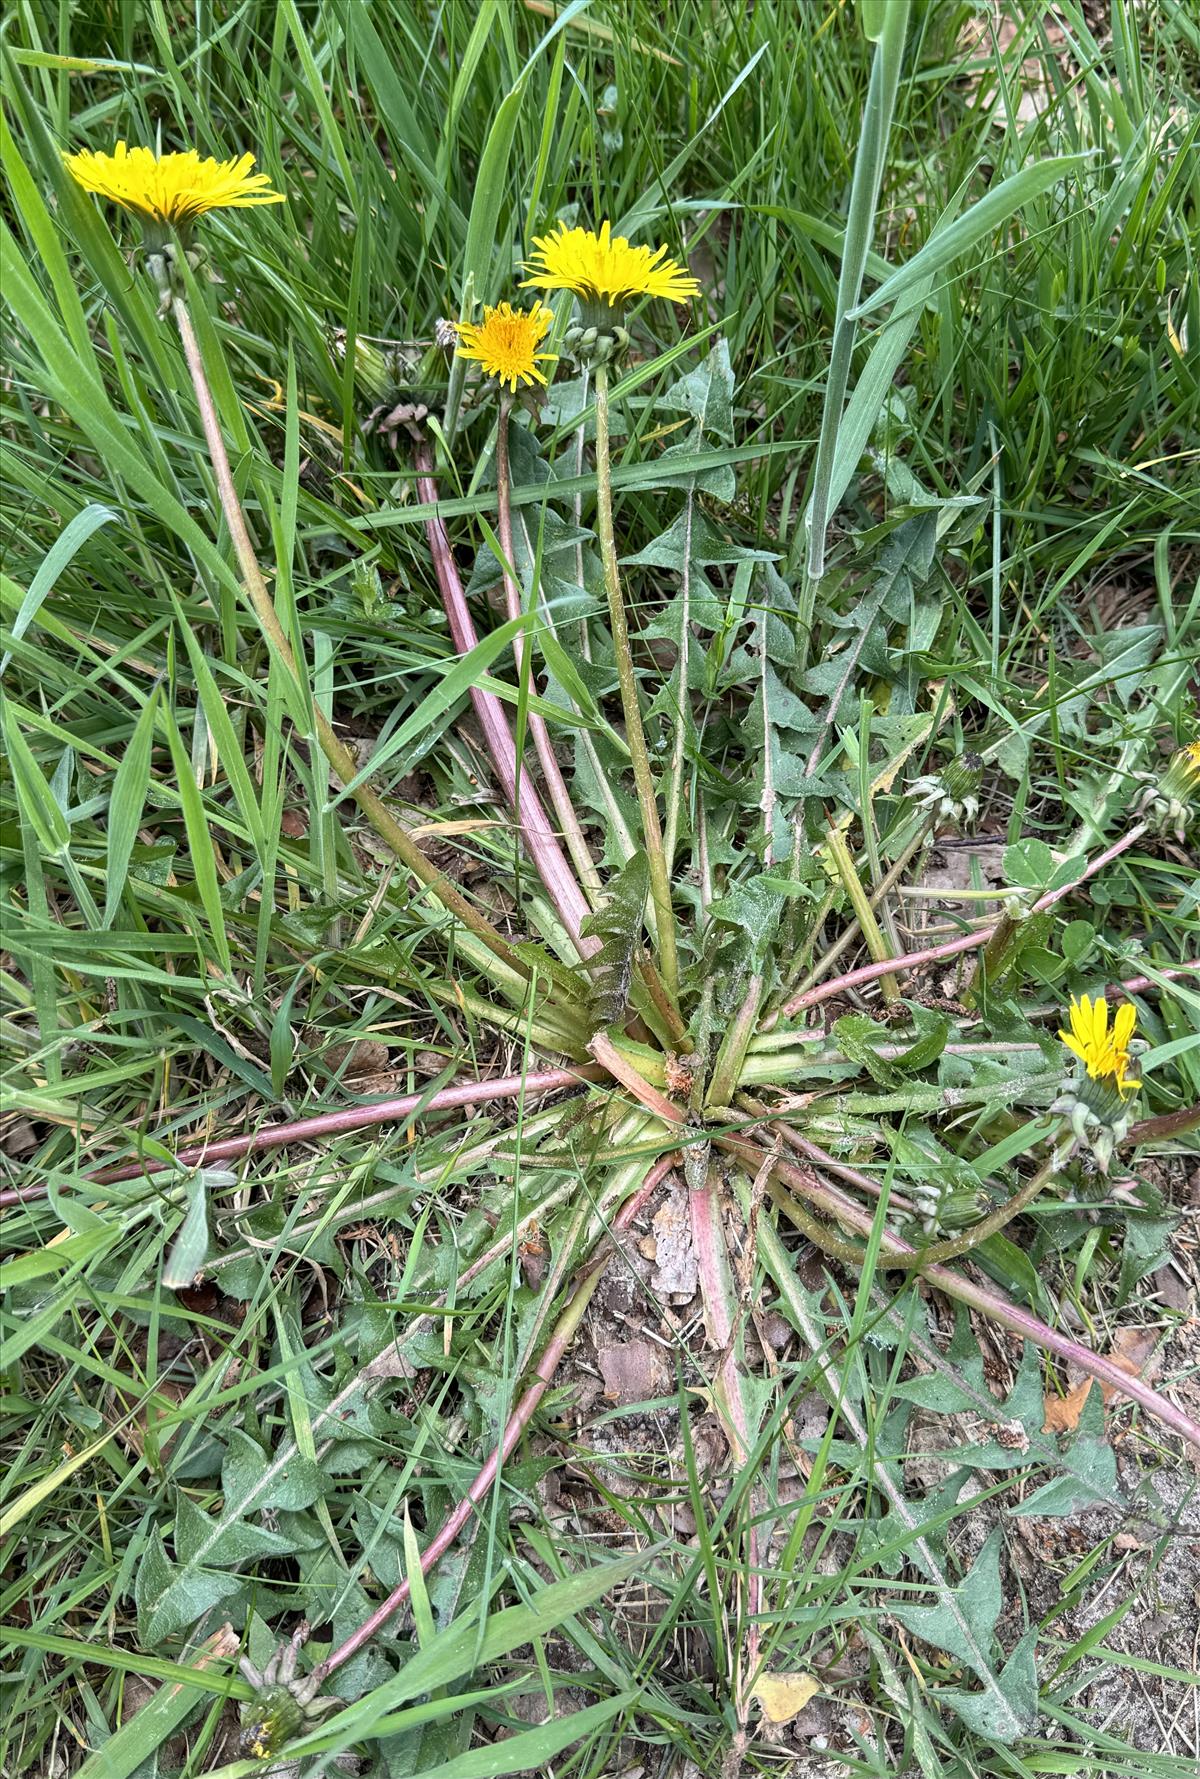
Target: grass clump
548	1216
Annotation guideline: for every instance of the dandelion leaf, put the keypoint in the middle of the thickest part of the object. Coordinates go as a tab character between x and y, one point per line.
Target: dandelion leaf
1008	1711
618	926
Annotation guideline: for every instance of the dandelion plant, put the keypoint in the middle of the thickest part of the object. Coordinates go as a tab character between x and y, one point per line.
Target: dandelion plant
518	755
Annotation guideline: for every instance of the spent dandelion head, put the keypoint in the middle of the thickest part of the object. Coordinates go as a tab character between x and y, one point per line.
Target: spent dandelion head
505	343
171	190
951	795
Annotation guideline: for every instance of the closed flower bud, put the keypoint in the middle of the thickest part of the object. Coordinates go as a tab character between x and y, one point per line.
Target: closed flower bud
951	795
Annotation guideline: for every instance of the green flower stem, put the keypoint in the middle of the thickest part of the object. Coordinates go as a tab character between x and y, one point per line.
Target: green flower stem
954	1247
838	851
336	752
664	1006
850	932
560	797
973	941
729	1068
660	885
1000	936
580	441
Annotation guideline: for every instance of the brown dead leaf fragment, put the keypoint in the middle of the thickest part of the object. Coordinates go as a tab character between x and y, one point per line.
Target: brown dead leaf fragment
1063	1412
675	1276
633	1371
1131	1352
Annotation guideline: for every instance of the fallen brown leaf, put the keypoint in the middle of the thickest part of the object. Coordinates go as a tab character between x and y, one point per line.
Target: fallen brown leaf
1063	1412
1130	1352
633	1371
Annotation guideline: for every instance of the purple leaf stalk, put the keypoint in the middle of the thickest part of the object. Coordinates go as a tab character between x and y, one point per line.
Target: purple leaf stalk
539	836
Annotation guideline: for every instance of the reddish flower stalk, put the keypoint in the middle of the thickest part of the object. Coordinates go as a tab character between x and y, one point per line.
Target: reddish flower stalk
340	757
988	1300
586	1281
933	954
1136	985
811	1152
333	1124
540	839
560	797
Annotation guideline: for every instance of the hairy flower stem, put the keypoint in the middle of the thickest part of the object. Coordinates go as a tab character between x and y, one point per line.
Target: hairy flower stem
933	954
954	1247
336	752
560	797
539	836
792	1184
664	1006
586	1281
355	1118
660	883
731	1057
801	1144
1008	926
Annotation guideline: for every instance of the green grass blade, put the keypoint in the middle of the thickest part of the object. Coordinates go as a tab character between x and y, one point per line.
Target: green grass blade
864	196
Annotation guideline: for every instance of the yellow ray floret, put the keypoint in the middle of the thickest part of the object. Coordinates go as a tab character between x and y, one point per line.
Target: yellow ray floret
1103	1053
506	343
171	188
605	268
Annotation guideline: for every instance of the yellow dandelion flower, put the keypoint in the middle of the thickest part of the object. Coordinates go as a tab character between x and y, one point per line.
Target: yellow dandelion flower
506	343
1190	756
171	188
604	268
1103	1053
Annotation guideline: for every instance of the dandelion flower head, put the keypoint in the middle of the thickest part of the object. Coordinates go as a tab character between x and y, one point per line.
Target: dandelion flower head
506	343
604	268
171	188
1104	1053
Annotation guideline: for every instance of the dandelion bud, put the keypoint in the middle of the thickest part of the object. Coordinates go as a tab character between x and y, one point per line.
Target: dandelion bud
1168	802
951	795
375	370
